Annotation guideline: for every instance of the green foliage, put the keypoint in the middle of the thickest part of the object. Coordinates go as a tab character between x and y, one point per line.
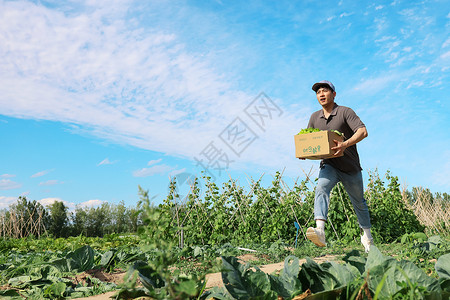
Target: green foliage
390	217
167	257
213	215
25	218
423	250
156	274
379	276
342	222
258	216
59	219
308	130
44	275
279	250
264	215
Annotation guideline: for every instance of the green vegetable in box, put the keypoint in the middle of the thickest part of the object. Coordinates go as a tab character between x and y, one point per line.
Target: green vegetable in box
310	130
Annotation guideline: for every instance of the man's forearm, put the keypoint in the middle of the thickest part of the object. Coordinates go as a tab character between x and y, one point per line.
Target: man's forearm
358	136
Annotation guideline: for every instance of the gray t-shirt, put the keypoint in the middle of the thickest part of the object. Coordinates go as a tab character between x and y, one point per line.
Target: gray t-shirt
345	120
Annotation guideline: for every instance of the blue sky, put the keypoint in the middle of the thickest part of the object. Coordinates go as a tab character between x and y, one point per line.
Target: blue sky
97	99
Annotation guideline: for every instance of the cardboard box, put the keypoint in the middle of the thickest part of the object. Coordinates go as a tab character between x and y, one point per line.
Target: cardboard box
316	145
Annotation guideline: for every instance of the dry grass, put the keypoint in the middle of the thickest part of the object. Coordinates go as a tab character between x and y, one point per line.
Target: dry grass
432	212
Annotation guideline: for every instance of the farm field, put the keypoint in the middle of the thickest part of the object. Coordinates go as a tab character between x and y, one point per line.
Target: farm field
63	273
236	243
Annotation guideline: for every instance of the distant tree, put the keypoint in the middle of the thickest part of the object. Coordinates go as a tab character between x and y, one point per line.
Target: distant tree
446	197
119	221
134	216
105	219
98	220
59	219
28	218
79	221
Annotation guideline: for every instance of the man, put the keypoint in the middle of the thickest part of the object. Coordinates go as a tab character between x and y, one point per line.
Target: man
346	168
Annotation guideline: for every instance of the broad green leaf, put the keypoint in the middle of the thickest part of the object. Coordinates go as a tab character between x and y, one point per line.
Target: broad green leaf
83	257
416	275
390	268
355	259
327	295
287	284
148	276
376	258
291	266
107	257
316	278
242	282
445	284
198	251
50	271
56	289
218	293
65	265
19	281
420	236
83	289
435	239
443	266
445	287
131	294
10	295
344	273
188	287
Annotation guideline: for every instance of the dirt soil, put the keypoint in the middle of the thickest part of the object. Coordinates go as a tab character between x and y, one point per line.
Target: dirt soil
213	279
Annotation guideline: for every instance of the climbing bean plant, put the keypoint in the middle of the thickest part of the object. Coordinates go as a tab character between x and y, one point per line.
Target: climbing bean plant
259	214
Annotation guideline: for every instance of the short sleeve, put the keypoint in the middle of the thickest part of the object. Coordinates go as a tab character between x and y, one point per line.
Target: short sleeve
311	122
352	120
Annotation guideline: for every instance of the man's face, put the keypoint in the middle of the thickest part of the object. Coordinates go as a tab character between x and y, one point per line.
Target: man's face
325	96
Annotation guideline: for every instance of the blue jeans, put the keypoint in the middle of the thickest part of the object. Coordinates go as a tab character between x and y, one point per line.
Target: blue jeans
353	184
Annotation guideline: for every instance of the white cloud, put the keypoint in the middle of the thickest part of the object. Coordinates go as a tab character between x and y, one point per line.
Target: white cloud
415	84
445	55
345	15
446	43
156	169
378	83
7	176
5	202
379	7
441	175
385	38
50	182
8	184
50	201
41	173
176	172
106	161
154	162
133	86
91	203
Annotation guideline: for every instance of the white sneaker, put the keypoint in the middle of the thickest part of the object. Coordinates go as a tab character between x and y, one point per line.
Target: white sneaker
317	236
367	243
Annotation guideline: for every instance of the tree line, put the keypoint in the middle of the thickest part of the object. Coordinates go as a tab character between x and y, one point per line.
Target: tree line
26	217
